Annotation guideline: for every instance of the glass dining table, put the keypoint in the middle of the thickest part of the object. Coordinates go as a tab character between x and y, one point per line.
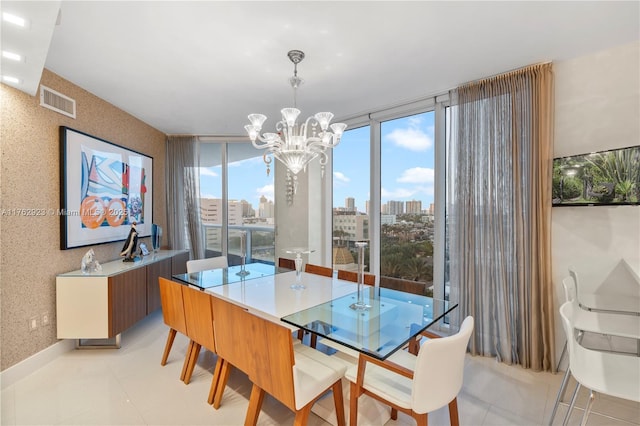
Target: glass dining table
394	319
323	306
232	274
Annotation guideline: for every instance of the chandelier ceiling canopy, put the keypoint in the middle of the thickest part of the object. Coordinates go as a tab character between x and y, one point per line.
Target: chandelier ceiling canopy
296	145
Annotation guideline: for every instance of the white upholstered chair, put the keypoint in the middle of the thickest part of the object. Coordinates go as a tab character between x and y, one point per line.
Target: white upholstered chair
411	383
207	264
569	286
603	372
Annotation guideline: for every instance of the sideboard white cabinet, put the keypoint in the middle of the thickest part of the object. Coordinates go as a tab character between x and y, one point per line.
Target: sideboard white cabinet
102	305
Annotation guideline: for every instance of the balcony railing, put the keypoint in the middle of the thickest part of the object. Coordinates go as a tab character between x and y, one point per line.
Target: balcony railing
260	242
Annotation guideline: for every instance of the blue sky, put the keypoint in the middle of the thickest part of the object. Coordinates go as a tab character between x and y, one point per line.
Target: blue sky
407	166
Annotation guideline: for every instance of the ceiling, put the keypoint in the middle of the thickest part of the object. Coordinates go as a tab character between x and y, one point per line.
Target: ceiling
202	67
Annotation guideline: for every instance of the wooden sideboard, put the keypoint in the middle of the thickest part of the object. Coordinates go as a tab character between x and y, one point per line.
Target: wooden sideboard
102	305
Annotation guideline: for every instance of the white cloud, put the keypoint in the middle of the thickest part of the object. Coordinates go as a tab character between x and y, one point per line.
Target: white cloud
415	121
267	191
205	171
340	177
412	138
417	175
247	162
396	194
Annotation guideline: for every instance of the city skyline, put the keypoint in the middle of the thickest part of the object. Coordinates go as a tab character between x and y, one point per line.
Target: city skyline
407	169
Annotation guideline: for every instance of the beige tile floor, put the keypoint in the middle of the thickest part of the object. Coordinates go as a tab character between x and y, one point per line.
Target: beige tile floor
127	386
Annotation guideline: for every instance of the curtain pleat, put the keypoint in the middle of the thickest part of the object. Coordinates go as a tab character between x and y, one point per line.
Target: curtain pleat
499	213
183	192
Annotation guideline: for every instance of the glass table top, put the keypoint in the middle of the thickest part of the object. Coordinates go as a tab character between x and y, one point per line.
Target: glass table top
232	274
394	319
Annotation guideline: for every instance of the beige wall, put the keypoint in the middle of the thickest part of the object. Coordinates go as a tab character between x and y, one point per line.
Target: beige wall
30	178
597	108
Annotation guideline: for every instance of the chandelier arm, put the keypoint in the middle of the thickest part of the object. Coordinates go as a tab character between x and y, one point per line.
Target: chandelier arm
323	158
319	143
265	144
310	120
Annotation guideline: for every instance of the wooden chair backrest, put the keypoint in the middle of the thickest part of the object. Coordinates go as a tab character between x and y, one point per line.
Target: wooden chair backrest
172	305
199	317
318	270
368	279
257	346
283	262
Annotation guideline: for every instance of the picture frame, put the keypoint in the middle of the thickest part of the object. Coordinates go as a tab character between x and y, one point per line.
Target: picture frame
104	189
604	178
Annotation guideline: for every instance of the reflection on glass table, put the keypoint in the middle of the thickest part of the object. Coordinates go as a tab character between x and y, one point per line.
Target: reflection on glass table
298	251
395	318
222	276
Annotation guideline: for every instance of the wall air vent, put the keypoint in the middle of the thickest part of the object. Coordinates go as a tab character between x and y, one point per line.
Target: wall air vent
58	102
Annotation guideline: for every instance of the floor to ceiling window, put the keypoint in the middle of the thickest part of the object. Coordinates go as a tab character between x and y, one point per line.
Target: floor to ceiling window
388	190
236	202
351	182
407	176
211	212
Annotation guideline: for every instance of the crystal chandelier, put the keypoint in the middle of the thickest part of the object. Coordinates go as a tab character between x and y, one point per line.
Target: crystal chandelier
296	145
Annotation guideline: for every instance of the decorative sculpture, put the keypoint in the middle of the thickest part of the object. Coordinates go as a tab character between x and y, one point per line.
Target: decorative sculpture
89	263
129	248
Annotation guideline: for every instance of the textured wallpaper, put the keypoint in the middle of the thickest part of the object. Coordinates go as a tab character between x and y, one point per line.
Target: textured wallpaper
30	179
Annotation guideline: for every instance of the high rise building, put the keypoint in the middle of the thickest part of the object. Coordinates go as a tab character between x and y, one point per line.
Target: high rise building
247	209
366	207
211	211
266	208
395	207
413	207
350	204
353	227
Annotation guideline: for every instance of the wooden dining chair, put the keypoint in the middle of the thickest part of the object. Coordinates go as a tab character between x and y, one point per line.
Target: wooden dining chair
410	383
172	312
295	375
368	279
318	270
199	319
283	262
207	264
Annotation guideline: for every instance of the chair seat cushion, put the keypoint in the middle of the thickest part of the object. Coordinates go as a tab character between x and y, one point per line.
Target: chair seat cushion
385	383
313	372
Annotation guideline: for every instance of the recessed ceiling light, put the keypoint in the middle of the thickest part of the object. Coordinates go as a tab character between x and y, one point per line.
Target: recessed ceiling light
12	56
14	19
10	79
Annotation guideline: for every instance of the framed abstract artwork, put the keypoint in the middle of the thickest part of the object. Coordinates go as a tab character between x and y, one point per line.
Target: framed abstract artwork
105	188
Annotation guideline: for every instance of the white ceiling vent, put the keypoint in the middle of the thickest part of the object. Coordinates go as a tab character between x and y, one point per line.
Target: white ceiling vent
58	102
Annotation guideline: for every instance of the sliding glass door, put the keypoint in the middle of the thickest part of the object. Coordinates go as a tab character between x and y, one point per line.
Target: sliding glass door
236	202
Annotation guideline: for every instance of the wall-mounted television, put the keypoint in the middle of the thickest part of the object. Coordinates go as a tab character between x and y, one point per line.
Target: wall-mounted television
599	178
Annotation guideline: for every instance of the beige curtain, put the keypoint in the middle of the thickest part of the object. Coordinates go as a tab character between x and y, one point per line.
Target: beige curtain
183	192
499	213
